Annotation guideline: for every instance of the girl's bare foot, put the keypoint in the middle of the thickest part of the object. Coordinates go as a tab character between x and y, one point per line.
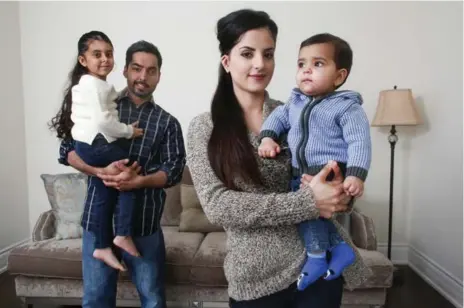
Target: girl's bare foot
107	256
126	243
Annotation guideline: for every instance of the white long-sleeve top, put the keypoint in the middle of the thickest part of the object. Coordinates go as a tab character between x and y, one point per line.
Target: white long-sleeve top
94	111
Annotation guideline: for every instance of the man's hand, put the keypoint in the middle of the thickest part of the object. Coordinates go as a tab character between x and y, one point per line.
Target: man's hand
119	176
268	148
353	186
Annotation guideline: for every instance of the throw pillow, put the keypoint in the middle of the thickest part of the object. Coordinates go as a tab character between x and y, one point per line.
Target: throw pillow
66	194
192	218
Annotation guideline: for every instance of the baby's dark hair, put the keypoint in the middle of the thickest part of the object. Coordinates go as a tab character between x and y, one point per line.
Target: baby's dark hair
343	55
62	122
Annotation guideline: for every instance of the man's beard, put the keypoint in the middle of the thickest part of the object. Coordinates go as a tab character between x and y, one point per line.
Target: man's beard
143	94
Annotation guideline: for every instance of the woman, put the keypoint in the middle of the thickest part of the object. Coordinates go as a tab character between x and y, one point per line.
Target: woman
248	195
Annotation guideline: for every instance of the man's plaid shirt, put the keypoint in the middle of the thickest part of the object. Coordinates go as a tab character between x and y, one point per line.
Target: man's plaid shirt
161	148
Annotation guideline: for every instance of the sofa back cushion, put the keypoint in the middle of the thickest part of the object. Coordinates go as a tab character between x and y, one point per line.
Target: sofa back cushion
172	207
192	217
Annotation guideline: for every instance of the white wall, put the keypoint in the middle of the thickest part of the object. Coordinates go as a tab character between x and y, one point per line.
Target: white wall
415	45
434	154
14	208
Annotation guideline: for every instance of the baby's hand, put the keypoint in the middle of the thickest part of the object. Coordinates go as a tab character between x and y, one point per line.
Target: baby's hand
353	186
137	131
268	148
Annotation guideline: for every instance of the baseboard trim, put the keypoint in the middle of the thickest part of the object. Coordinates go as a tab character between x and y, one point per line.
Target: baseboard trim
434	274
5	252
399	252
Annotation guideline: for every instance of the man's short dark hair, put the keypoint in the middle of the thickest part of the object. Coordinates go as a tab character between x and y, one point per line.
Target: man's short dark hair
143	46
343	55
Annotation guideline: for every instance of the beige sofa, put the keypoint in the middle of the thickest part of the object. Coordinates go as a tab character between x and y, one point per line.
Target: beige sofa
48	270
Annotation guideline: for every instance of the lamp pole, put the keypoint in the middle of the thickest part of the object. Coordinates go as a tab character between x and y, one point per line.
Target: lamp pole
392	138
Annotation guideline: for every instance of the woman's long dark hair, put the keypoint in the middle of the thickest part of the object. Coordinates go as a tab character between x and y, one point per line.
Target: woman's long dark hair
62	123
229	150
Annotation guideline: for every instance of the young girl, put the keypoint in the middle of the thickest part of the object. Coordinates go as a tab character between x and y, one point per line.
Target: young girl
89	117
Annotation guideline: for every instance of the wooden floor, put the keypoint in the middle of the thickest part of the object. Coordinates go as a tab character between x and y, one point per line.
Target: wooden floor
412	292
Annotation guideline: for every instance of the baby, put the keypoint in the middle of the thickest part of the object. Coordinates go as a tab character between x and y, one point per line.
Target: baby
322	124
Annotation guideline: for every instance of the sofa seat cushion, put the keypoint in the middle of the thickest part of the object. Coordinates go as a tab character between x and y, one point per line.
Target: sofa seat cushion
62	259
191	258
49	258
207	268
180	251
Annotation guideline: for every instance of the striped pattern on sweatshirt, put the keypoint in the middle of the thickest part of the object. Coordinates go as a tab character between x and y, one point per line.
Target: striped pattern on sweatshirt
161	148
332	128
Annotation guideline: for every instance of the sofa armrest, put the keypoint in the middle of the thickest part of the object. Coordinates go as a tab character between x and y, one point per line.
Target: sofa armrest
44	228
363	231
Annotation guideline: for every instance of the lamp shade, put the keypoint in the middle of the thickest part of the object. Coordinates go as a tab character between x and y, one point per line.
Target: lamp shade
396	107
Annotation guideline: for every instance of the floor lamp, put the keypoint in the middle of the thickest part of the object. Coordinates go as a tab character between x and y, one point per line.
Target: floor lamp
396	107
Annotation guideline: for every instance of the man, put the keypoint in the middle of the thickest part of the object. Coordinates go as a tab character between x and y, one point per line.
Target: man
159	156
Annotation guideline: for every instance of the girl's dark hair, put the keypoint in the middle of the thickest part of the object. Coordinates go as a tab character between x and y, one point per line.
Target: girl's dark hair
62	123
229	150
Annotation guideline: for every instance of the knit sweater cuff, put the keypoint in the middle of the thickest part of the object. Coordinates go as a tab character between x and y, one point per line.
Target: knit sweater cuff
268	133
308	210
358	172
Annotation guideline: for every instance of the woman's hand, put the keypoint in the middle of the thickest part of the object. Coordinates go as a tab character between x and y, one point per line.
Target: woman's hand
329	196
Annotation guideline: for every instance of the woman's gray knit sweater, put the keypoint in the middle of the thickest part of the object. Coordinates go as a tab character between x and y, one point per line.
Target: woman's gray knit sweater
264	251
